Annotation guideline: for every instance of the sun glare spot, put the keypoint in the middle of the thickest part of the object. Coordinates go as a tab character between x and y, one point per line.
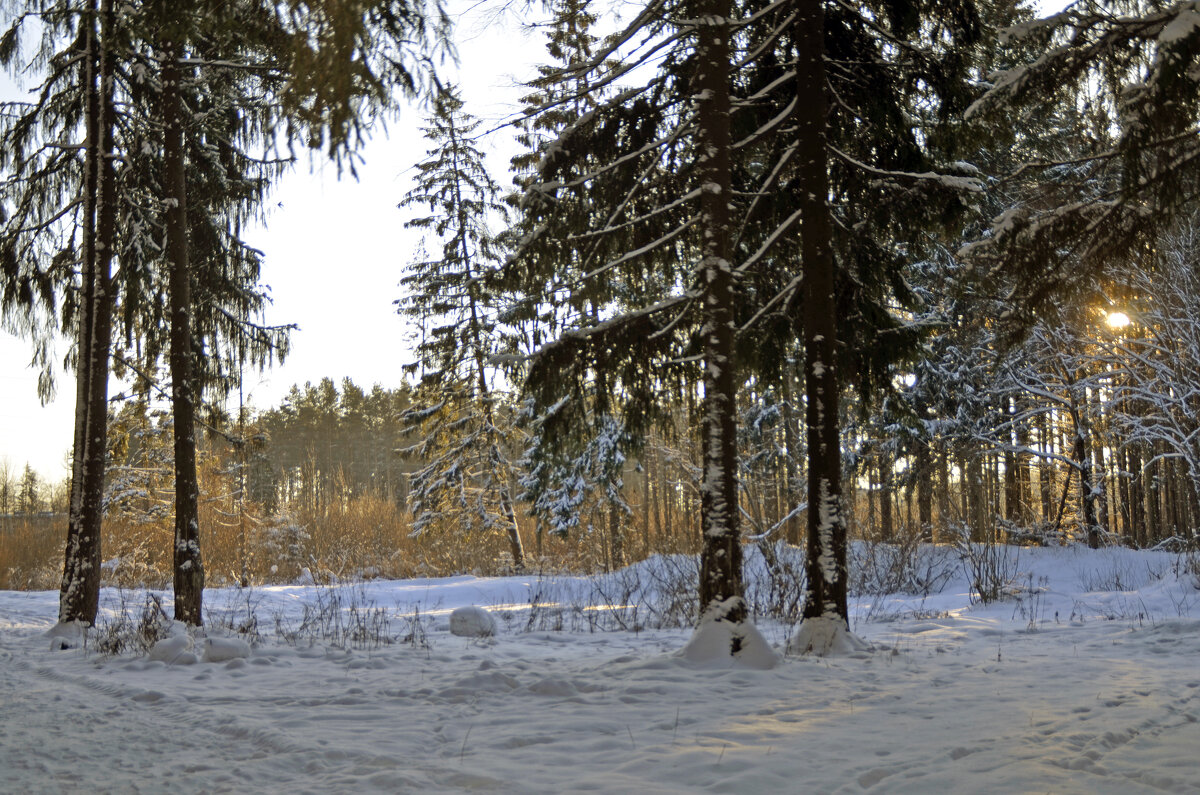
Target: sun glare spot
1117	320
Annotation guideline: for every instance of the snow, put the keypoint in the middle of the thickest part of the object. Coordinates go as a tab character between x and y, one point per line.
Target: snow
825	636
471	621
1083	679
173	650
715	637
1181	27
225	649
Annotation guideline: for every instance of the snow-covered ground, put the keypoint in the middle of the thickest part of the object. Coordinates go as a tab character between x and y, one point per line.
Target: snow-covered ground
1087	679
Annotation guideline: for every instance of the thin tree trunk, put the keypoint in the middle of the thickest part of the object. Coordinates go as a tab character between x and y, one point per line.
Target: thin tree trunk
1087	497
79	595
924	465
189	569
790	440
1046	470
887	526
943	497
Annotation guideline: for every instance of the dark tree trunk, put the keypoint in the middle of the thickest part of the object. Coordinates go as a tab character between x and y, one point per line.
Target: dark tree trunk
1012	489
79	595
887	524
791	441
647	538
189	570
976	498
1087	497
721	554
924	465
1136	494
943	496
825	562
1046	470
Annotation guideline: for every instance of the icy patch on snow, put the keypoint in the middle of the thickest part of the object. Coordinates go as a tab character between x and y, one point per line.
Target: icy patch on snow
472	622
826	636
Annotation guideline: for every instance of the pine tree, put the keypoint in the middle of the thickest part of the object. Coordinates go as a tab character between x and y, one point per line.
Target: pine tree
466	478
28	500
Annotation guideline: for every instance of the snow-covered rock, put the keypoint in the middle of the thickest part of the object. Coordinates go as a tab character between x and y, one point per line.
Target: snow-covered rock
472	622
225	649
175	650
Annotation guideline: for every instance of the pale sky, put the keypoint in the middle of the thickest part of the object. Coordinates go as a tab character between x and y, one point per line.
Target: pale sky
334	252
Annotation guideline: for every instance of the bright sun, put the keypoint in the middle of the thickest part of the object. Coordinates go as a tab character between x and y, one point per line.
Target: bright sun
1116	320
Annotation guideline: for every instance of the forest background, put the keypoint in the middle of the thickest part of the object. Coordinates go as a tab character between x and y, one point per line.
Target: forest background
1082	428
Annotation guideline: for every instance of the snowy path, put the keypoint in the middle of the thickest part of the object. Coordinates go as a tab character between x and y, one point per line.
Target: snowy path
969	702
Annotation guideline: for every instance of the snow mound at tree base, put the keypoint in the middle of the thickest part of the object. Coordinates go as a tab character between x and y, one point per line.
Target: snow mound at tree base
717	640
66	635
826	636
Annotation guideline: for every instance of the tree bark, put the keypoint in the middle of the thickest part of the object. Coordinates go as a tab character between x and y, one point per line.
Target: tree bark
721	554
791	442
189	569
887	525
923	460
825	562
79	595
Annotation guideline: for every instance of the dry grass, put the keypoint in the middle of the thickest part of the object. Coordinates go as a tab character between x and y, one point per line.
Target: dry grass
361	538
31	550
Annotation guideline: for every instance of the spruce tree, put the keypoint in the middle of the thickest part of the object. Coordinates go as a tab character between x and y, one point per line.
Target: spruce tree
811	207
300	72
463	426
39	249
573	481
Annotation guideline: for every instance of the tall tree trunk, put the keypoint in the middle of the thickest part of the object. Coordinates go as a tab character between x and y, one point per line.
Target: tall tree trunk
825	562
1012	488
721	554
1137	494
79	594
189	569
647	538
